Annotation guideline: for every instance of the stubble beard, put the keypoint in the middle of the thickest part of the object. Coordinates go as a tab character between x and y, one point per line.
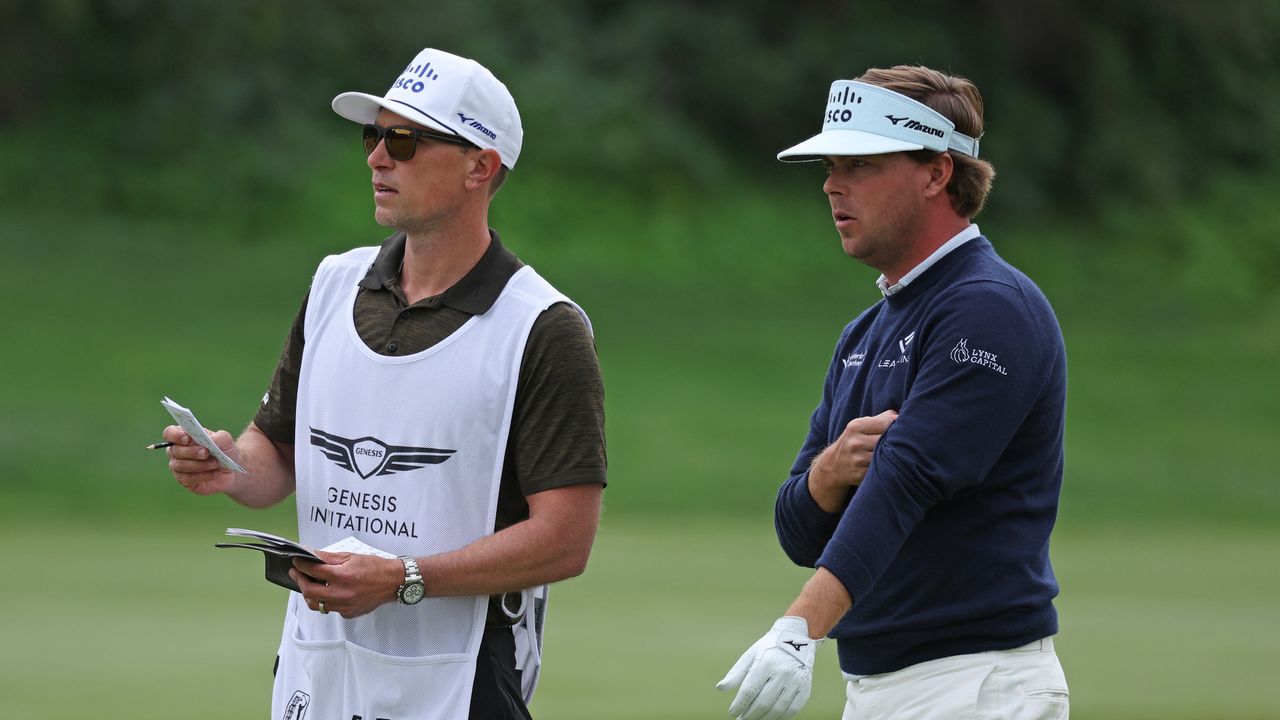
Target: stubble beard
864	246
404	222
882	248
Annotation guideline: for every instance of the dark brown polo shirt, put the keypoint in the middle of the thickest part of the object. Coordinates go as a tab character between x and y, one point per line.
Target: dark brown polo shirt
557	425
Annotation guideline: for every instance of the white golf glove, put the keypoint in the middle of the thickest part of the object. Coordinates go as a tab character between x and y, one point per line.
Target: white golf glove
775	674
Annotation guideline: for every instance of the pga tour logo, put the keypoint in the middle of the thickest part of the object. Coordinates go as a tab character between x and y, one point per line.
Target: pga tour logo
297	707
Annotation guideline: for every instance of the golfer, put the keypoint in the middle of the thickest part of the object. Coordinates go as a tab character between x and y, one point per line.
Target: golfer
927	486
439	401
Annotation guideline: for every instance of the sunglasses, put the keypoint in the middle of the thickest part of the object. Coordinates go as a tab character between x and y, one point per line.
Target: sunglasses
402	142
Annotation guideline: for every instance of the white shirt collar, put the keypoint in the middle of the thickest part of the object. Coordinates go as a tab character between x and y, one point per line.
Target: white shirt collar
962	237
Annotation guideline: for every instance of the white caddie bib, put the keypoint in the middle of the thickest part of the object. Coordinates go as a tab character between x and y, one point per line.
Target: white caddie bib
404	453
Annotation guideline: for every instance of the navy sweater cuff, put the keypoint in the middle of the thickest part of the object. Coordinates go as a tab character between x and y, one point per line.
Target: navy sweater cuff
803	526
841	560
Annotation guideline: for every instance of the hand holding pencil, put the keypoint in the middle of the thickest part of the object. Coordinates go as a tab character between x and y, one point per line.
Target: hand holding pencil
194	466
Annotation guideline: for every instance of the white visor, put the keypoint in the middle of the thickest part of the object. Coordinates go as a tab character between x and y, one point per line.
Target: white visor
865	119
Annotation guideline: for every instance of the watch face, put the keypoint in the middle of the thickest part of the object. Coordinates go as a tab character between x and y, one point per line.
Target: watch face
412	593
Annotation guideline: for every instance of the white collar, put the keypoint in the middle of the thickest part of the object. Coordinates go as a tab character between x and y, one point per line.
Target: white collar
970	232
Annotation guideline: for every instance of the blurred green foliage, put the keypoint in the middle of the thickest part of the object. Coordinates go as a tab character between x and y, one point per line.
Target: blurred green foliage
714	322
156	149
1095	100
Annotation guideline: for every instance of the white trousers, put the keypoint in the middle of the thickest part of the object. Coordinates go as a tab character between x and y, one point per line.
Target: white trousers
1024	683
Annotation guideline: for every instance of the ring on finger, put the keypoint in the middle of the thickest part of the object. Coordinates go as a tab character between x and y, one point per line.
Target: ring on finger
323	611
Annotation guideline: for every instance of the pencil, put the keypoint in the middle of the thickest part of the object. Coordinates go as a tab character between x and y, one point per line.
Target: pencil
157	446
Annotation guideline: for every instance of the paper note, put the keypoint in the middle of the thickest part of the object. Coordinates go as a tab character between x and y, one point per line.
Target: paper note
356	547
187	421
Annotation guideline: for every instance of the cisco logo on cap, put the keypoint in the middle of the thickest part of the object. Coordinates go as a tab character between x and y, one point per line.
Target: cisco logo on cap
413	77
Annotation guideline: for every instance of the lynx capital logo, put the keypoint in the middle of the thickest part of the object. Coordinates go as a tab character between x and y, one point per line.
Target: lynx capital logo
297	707
962	355
369	456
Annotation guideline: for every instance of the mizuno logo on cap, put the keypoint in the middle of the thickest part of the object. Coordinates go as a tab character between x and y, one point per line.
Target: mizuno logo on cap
472	122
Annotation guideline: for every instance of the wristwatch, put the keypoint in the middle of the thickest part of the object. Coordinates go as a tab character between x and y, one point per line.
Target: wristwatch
412	591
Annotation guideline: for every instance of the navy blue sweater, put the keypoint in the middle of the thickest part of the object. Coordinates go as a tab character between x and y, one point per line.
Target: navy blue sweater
944	547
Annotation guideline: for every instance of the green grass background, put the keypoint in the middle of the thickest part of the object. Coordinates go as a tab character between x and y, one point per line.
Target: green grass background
715	315
140	621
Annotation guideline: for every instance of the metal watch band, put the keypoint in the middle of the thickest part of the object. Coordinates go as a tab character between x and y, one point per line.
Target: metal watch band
411	572
412	590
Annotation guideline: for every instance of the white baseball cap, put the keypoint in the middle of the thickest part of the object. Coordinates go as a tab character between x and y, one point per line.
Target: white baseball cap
865	119
451	94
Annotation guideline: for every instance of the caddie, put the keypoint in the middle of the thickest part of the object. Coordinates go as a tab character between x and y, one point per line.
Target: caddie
927	486
437	400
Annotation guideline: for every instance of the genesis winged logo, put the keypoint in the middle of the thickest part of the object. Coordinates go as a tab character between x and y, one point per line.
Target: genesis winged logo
369	456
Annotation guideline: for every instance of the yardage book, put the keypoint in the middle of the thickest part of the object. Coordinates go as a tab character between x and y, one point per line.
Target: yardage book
280	552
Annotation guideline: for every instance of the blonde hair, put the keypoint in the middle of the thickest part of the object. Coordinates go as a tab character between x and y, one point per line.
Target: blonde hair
960	102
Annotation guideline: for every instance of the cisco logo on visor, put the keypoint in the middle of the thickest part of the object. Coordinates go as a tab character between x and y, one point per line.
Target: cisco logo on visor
865	119
838	110
415	77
